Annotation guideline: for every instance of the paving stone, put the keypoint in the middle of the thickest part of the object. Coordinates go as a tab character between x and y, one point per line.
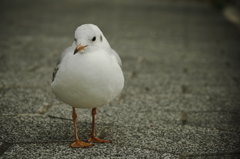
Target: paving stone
175	139
23	100
62	150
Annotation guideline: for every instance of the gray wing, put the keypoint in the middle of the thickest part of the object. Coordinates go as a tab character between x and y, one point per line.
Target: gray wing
63	54
115	54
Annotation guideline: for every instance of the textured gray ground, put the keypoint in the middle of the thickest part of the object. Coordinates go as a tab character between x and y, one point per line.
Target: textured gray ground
182	90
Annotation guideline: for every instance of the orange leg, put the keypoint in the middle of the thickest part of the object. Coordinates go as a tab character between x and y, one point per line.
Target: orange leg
93	137
77	142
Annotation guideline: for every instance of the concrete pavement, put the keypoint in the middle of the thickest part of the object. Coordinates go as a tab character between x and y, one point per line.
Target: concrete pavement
181	67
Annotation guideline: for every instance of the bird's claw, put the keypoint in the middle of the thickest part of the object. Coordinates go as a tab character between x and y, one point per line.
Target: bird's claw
81	144
97	140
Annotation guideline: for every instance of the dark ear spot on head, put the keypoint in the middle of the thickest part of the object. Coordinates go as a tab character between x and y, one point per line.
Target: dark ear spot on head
101	38
94	38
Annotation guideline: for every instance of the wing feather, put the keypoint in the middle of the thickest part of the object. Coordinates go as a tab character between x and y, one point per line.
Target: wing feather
63	54
115	54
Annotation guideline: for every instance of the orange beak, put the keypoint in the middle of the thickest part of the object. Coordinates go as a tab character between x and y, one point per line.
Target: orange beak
79	48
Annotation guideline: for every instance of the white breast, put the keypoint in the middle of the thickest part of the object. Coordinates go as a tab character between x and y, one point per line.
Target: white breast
88	80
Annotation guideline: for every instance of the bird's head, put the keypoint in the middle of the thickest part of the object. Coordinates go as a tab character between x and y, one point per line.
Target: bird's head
88	37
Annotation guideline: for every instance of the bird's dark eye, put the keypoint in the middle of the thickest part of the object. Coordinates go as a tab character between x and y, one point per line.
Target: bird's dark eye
94	38
75	39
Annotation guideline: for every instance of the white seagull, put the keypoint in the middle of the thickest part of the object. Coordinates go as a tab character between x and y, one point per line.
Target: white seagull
88	75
